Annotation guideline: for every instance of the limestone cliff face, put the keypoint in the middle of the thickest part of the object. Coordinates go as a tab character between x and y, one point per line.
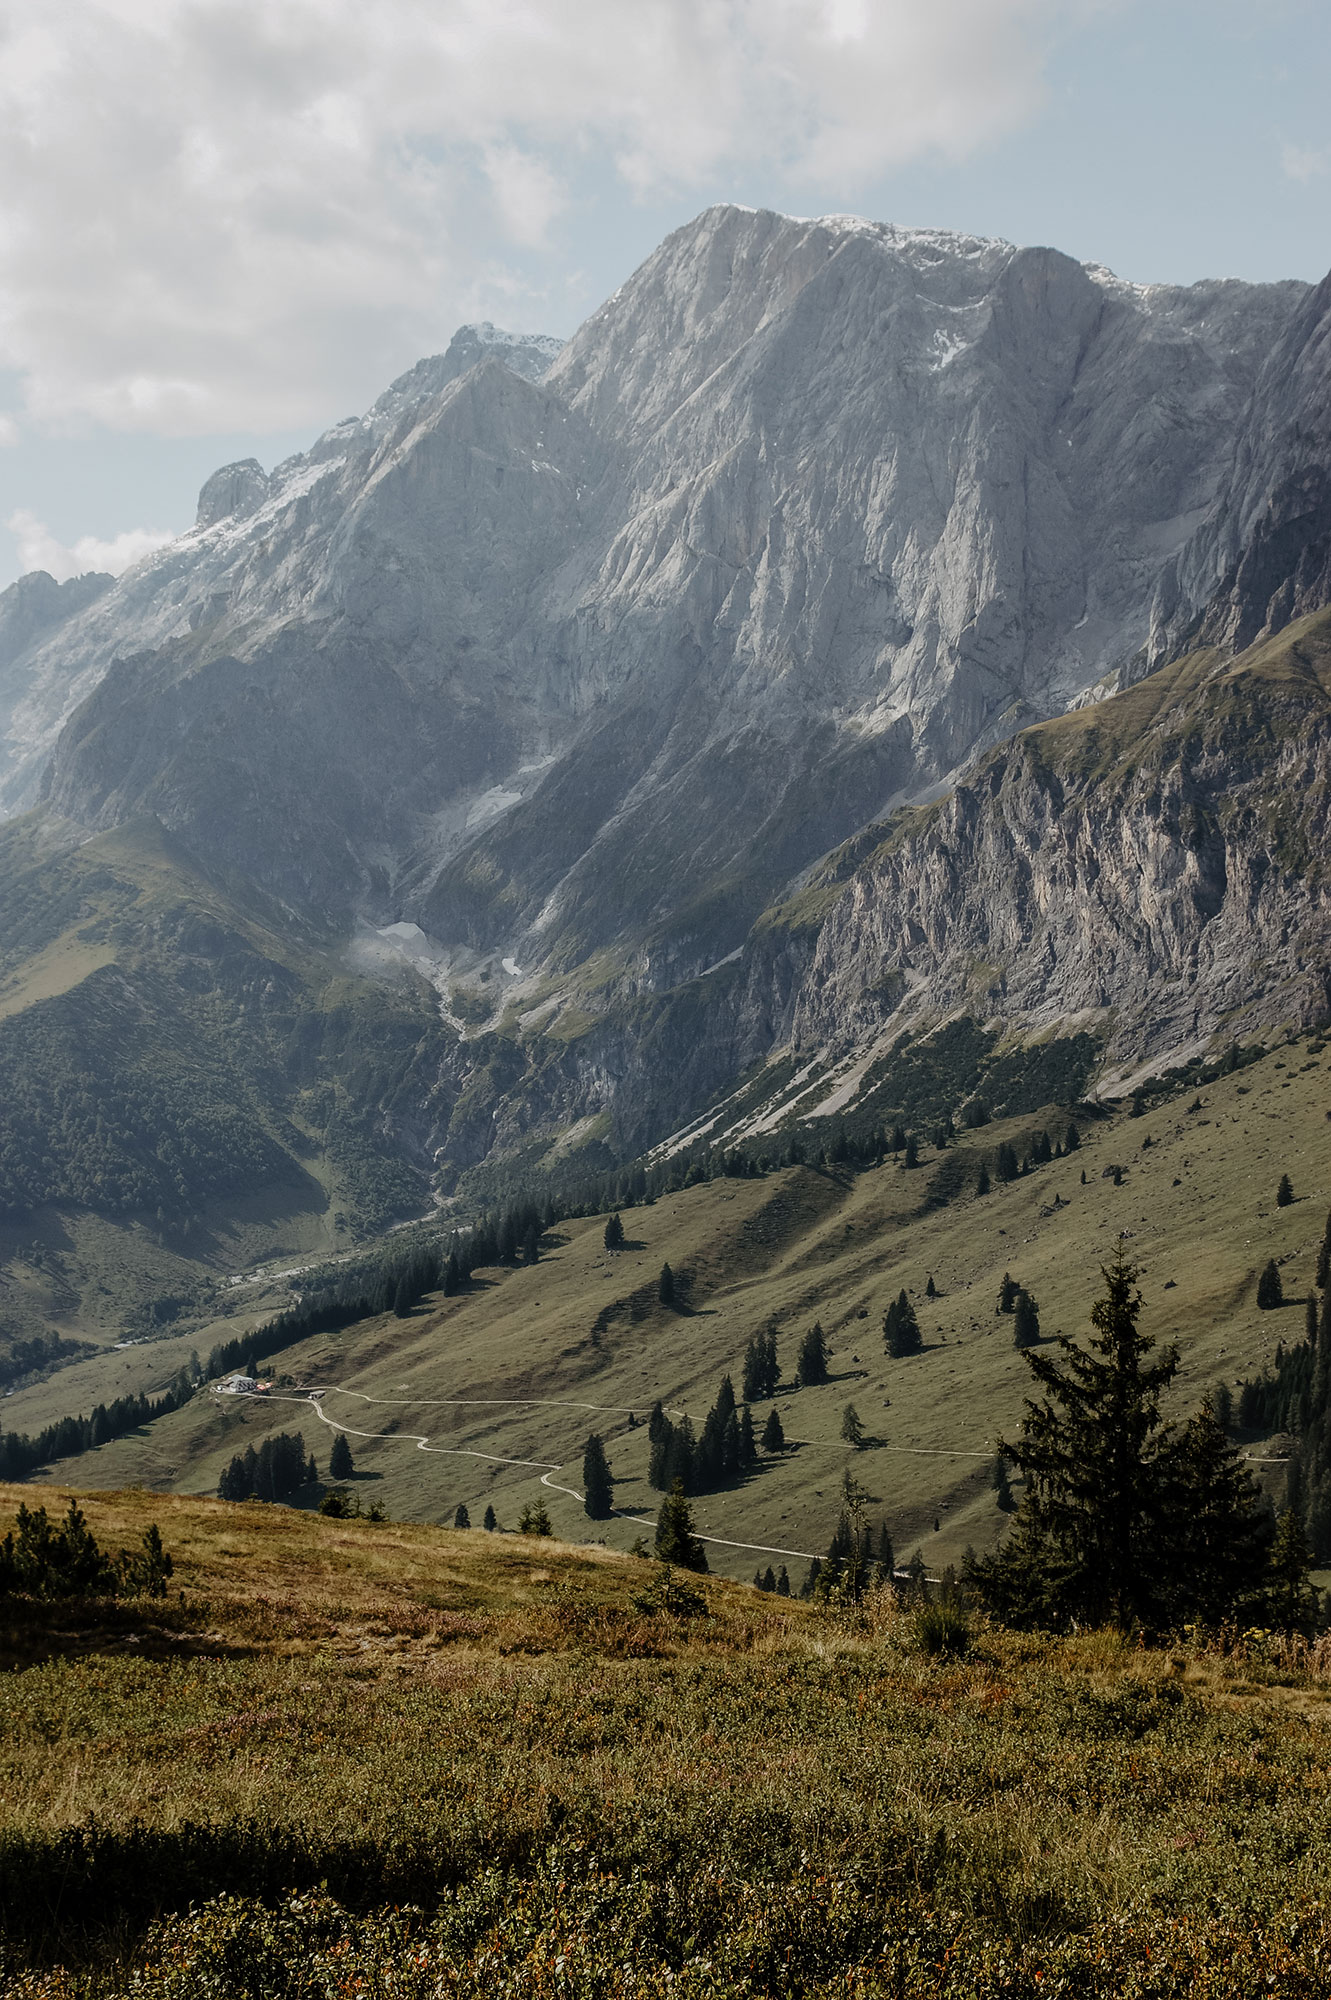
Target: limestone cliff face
1263	556
1159	870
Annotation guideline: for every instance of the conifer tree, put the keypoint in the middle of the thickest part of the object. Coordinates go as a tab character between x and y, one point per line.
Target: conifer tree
1087	1540
852	1430
614	1233
1324	1257
598	1485
774	1437
462	1519
491	1521
1285	1192
911	1157
901	1331
535	1519
1002	1486
1214	1550
1007	1294
1292	1603
748	1445
341	1465
1270	1292
761	1369
982	1180
1026	1321
782	1582
931	1289
665	1286
769	1578
811	1366
675	1540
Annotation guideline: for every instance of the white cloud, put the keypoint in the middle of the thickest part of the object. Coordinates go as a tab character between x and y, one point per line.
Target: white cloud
1304	163
8	430
225	214
38	548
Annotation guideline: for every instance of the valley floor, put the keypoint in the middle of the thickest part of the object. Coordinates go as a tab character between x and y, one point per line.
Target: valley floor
505	1382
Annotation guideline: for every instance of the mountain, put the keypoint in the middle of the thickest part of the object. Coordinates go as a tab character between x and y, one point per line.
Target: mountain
730	691
802	517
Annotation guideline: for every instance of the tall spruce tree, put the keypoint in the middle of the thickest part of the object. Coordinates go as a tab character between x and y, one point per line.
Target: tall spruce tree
1025	1321
1292	1603
774	1437
1088	1538
811	1367
1214	1553
1270	1291
665	1286
901	1330
598	1485
341	1465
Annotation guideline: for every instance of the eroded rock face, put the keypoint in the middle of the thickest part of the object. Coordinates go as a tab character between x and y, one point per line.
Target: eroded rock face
1160	885
232	492
1263	557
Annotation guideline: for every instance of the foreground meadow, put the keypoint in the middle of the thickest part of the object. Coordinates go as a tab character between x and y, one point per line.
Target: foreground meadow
345	1759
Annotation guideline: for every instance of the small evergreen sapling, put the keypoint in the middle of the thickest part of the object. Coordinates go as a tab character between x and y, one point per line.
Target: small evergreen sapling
534	1519
462	1519
1285	1192
852	1430
675	1540
665	1286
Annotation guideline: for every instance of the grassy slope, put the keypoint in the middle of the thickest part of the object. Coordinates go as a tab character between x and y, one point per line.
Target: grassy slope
803	1244
594	1793
232	1001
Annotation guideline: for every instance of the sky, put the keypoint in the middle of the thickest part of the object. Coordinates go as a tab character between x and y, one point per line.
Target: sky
226	224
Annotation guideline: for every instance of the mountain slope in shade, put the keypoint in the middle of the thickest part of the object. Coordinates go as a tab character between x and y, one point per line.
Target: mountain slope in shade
1264	555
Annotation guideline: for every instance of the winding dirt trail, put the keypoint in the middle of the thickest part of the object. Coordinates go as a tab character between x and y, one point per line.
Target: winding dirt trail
314	1399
